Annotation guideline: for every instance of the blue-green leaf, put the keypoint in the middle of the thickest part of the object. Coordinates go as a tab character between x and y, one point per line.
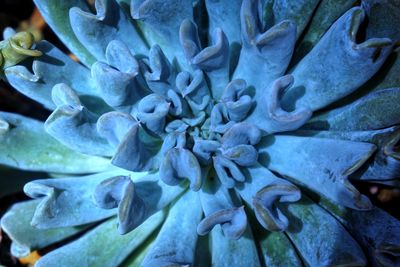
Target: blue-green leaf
67	201
311	227
321	78
51	68
26	238
102	245
110	23
320	164
25	145
56	16
176	241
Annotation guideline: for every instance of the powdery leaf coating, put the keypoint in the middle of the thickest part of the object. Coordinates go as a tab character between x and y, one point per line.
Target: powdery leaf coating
207	133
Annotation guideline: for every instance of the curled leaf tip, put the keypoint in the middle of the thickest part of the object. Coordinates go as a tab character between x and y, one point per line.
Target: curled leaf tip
47	208
233	222
279	119
178	164
120	192
266	210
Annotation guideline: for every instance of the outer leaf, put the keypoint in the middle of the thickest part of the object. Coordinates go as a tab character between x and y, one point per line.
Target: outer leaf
225	14
228	252
325	15
375	111
300	12
320	164
161	21
376	231
102	245
56	15
137	200
75	127
320	239
385	164
219	208
337	65
266	193
25	237
68	201
25	145
110	23
48	70
277	250
266	53
176	242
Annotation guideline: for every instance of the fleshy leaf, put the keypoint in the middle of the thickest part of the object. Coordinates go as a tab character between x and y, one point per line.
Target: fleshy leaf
300	12
309	219
161	22
269	115
237	102
277	250
225	14
136	200
119	191
265	193
176	242
137	151
238	144
114	126
25	145
152	112
228	252
316	77
220	209
228	172
75	127
26	238
178	164
213	59
322	165
56	16
158	72
384	165
51	68
265	54
375	230
95	32
114	247
326	13
374	111
67	201
194	89
117	80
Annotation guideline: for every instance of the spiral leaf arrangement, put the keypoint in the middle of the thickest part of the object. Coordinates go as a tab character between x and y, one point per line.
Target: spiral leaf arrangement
197	133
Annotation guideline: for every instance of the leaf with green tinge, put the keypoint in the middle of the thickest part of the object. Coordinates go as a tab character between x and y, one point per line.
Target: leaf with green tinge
25	145
102	246
56	15
25	237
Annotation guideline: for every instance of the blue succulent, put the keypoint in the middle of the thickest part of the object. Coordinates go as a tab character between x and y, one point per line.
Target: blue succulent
198	133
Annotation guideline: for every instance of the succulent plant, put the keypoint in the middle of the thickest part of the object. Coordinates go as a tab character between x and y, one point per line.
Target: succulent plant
197	133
